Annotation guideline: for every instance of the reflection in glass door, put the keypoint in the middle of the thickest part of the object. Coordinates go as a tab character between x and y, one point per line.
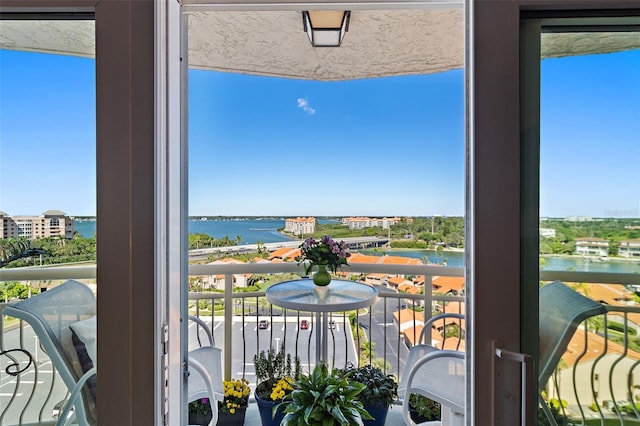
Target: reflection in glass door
48	214
589	220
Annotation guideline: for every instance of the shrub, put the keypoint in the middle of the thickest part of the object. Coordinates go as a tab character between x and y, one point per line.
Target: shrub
381	390
324	397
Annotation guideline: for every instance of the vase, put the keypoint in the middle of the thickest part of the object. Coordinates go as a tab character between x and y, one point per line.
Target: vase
322	276
379	415
265	408
235	419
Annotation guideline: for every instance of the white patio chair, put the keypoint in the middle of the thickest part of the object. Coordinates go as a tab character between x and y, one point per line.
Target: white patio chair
436	374
439	374
205	380
562	310
50	314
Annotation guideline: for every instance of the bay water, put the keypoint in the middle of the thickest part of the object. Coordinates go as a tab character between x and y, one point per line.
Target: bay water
265	230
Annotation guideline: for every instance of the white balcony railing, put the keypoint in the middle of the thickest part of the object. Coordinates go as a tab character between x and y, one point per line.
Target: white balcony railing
377	324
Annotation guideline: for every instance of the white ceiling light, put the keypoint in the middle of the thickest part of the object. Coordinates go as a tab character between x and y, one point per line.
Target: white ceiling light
326	28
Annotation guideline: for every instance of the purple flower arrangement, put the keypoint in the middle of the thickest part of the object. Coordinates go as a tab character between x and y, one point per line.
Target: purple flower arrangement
323	252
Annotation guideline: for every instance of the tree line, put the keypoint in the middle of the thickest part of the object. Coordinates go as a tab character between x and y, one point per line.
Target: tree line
417	232
610	229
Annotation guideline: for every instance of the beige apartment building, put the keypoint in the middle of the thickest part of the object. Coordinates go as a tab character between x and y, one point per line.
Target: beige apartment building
52	223
629	248
592	246
300	225
367	222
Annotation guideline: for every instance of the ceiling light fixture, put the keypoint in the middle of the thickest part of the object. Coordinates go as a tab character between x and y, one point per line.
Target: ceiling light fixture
326	28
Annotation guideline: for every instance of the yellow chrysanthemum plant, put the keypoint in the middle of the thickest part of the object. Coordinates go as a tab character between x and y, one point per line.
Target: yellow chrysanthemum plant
275	373
236	395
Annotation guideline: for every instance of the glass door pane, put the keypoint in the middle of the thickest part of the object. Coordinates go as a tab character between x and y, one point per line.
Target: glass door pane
590	218
48	215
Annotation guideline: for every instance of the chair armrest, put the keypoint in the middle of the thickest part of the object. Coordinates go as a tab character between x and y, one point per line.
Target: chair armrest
427	325
199	360
425	388
206	328
64	418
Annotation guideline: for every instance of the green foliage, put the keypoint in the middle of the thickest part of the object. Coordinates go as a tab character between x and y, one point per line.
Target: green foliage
199	240
409	244
453	330
560	418
381	390
271	366
15	290
200	406
427	232
616	326
614	230
425	407
324	398
553	402
57	250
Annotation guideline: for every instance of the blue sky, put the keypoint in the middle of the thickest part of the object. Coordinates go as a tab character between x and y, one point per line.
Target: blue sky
272	146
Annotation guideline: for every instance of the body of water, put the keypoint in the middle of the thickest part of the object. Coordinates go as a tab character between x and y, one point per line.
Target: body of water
448	258
251	231
552	263
578	263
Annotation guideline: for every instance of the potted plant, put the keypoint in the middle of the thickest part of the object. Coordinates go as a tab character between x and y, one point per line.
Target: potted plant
275	374
379	393
323	254
200	412
232	409
324	397
423	409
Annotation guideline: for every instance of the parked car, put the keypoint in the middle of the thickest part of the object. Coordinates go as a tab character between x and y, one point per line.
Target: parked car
263	324
304	324
332	324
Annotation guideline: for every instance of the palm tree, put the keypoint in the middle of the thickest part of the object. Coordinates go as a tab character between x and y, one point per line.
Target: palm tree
11	251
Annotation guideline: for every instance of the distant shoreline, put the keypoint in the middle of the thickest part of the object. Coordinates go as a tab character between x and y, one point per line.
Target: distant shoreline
595	258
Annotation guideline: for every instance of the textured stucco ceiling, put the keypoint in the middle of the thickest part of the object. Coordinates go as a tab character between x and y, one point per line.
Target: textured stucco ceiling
379	43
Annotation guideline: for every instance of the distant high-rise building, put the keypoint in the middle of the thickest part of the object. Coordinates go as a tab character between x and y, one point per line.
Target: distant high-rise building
52	223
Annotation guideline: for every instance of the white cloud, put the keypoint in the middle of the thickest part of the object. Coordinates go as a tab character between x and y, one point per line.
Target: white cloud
304	104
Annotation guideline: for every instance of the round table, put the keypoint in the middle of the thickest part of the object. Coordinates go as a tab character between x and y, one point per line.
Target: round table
338	296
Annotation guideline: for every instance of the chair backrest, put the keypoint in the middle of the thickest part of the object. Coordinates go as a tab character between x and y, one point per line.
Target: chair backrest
49	314
561	311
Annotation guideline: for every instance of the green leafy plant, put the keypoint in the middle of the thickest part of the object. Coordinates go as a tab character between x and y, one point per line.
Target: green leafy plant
425	407
381	390
560	419
324	398
324	252
275	371
200	406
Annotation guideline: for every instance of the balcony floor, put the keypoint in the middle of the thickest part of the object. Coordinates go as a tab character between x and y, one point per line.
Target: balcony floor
394	418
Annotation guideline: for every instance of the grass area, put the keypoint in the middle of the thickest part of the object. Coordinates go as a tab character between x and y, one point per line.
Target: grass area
9	321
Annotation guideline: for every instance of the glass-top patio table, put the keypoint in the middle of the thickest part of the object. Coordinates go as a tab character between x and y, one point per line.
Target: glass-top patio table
338	296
